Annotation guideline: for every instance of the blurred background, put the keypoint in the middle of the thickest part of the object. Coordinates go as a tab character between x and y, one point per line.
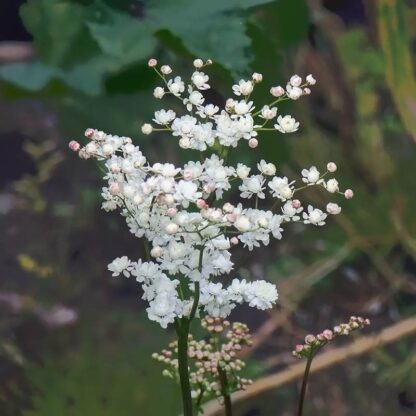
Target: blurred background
73	340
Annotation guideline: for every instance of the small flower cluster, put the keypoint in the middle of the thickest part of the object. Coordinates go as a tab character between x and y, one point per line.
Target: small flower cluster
314	342
181	212
206	123
209	358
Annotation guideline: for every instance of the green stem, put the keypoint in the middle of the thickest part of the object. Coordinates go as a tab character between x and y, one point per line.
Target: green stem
182	331
225	391
304	383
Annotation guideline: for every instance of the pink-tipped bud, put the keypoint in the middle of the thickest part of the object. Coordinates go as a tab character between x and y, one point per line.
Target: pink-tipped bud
331	166
171	212
277	91
114	188
253	143
207	189
296	203
257	77
74	145
299	348
233	241
328	334
152	62
89	133
231	217
348	194
201	204
156	251
310	339
227	207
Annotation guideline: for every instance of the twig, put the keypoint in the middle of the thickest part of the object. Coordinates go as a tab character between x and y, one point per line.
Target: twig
321	362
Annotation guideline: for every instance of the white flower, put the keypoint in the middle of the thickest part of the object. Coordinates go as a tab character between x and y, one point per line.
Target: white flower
295	80
262	295
281	188
176	86
120	265
216	300
268	169
253	185
314	216
242	171
310	80
164	117
200	80
195	99
333	209
243	107
243	88
332	186
164	308
289	211
286	124
310	175
238	290
158	92
294	92
268	113
242	223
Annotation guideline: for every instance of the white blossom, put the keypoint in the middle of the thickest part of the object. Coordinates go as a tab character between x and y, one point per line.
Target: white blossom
286	124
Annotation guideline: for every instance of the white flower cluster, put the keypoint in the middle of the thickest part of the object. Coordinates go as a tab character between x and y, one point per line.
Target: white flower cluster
181	211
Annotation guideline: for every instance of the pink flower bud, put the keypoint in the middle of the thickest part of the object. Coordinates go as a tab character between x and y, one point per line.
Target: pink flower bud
152	62
296	203
234	241
207	189
227	207
253	143
171	212
201	203
257	77
349	194
331	166
310	339
114	188
231	217
328	334
299	348
277	91
89	133
74	145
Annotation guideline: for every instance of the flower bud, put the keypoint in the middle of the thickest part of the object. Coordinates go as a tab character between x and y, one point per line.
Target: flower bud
201	203
310	80
74	145
331	167
171	212
348	194
147	128
89	133
277	91
114	188
158	92
257	77
152	62
166	69
296	203
198	63
253	143
172	228
156	251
